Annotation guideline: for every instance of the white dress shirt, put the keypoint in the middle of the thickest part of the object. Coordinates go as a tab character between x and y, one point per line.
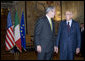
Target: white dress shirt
70	22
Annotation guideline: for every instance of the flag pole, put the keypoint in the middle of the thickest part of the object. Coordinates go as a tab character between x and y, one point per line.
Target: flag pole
26	17
16	54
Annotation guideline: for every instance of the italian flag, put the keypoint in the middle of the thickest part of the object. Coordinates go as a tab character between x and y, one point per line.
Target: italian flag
17	33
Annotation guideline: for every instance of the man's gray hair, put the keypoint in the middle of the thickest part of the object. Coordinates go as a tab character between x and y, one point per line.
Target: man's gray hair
49	8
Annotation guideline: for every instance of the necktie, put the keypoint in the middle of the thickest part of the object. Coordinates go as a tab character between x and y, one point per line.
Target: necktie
68	27
51	24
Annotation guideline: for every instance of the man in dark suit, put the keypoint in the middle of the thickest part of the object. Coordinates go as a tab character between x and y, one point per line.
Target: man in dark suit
69	38
44	35
82	40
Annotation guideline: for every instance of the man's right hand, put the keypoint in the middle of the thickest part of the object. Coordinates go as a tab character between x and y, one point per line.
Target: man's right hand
56	49
38	48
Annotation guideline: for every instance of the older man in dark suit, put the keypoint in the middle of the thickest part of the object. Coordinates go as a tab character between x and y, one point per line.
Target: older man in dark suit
44	35
69	38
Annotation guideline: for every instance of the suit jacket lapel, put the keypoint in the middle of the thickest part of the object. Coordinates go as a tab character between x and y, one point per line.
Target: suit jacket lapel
72	26
65	25
48	22
52	25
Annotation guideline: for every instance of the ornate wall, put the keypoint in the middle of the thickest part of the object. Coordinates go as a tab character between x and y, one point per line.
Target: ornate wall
77	7
35	9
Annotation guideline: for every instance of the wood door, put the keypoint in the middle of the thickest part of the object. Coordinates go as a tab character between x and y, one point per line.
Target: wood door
4	13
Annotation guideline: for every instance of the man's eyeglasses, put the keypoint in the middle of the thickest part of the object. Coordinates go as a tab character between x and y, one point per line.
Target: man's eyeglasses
68	14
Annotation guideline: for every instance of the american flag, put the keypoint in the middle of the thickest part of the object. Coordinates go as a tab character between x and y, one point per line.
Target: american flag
9	42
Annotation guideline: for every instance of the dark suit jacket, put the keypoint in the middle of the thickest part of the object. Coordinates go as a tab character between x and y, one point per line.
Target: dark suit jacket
71	39
43	35
82	44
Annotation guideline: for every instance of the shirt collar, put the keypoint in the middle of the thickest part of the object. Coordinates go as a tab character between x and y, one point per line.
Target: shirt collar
69	21
48	17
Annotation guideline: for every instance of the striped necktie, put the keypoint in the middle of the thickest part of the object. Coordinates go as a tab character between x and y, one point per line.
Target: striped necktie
68	27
